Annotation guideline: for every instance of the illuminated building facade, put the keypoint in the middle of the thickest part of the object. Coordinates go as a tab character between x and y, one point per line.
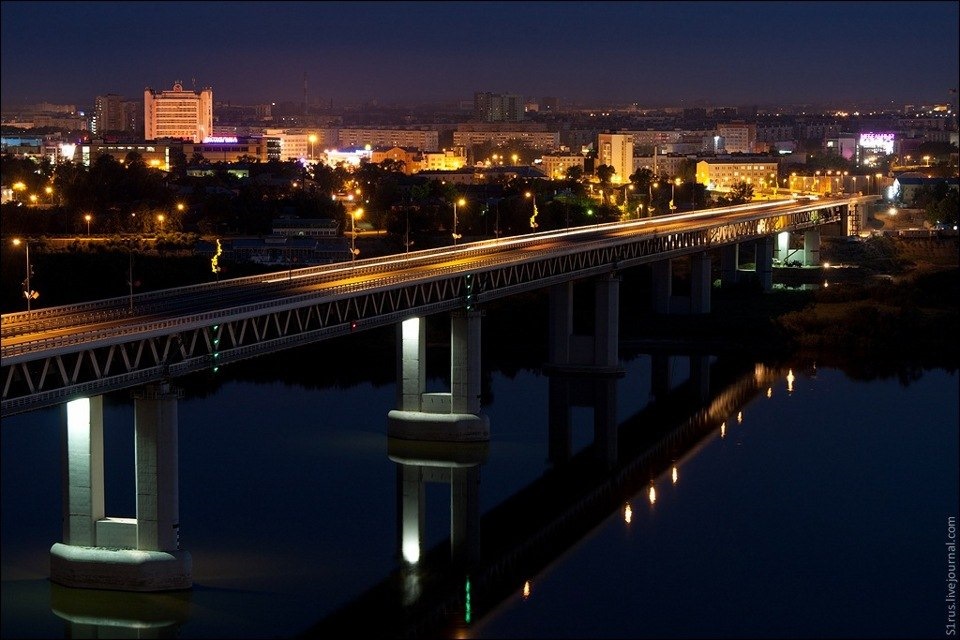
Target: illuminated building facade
179	114
556	165
616	150
738	137
722	173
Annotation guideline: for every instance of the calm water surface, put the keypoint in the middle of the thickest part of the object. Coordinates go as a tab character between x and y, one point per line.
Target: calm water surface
823	512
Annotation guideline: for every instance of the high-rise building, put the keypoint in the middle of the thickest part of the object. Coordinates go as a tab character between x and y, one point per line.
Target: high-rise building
616	150
495	107
185	115
738	137
112	113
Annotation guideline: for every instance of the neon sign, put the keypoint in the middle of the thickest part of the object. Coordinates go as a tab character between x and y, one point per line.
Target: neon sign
221	140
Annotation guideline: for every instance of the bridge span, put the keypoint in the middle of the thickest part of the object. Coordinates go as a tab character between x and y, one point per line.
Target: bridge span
51	356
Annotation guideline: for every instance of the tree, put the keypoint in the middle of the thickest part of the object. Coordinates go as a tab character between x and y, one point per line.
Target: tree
740	193
605	172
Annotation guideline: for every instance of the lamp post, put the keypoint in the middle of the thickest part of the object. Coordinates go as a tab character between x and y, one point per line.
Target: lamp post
461	202
650	188
878	176
313	139
28	292
160	219
88	218
357	213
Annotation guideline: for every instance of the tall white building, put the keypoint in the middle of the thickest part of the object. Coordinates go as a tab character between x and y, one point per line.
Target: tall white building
616	150
184	115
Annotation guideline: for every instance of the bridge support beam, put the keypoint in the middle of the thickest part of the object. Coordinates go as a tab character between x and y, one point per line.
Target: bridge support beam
811	247
662	273
453	416
764	261
729	264
127	554
600	350
701	283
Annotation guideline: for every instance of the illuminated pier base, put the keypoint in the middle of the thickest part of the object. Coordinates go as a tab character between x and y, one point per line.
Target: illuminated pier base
447	417
128	554
664	302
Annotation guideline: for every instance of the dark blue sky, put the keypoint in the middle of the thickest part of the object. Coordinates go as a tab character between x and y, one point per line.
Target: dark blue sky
649	52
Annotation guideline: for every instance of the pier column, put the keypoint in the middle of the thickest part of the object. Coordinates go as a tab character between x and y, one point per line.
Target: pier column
465	362
558	419
411	363
781	250
764	261
560	322
126	554
158	506
811	247
700	283
662	273
729	264
83	503
607	321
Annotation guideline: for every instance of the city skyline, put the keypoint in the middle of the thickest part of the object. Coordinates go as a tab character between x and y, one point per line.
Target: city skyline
702	53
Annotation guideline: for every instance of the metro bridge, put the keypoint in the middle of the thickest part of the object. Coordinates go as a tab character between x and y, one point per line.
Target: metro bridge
53	355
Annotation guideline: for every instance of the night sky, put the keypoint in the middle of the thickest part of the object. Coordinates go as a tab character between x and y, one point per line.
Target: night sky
653	53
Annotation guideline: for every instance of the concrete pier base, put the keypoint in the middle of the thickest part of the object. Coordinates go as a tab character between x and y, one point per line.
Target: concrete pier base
438	427
122	569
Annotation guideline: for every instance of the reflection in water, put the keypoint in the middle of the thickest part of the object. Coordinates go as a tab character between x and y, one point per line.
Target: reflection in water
98	614
627	513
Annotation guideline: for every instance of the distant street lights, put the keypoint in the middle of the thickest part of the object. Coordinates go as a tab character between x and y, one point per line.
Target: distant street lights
88	218
28	292
357	213
456	235
160	219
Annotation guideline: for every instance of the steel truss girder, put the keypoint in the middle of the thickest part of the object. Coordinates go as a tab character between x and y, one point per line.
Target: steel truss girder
44	380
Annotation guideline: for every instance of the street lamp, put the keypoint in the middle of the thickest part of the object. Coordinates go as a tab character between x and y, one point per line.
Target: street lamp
676	183
49	191
650	187
926	161
28	292
88	218
357	213
460	202
160	219
878	176
313	139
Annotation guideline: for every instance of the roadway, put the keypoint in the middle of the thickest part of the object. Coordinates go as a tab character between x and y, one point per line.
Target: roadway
21	333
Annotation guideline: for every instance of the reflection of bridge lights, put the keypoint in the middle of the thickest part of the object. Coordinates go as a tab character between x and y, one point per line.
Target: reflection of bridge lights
825	284
769	392
739	417
723	429
526	589
627	513
790	379
675	475
652	494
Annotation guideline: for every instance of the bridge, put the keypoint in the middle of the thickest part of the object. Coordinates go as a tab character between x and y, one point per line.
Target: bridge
74	354
50	356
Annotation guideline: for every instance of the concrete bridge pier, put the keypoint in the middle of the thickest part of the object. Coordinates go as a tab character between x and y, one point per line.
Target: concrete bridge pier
664	302
127	554
661	374
700	376
452	416
811	247
583	368
729	264
764	262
